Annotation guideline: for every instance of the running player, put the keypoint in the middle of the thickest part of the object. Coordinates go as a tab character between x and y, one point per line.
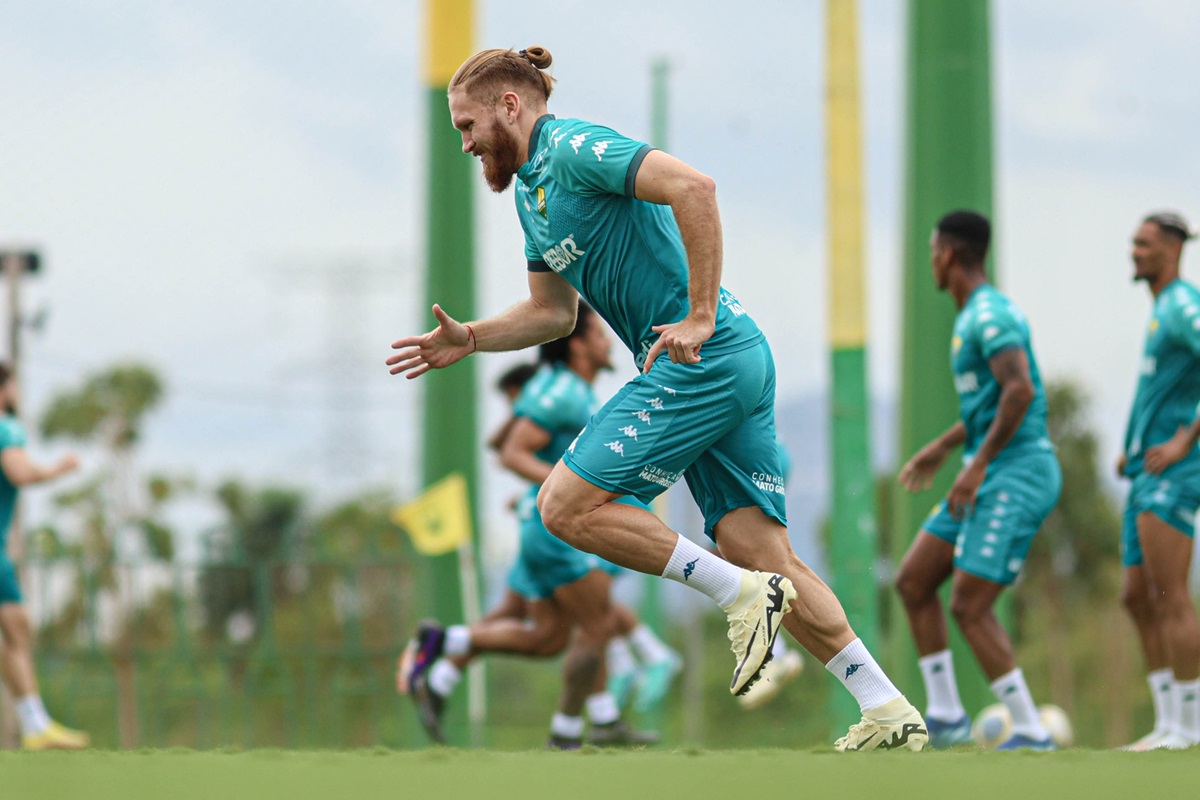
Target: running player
638	234
556	581
1009	482
38	730
1161	459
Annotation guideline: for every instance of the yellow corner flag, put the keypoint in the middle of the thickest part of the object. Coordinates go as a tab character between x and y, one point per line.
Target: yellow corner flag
440	519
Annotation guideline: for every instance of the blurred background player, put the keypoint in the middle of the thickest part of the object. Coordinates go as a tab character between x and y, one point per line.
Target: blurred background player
38	730
1010	480
637	233
565	588
1161	459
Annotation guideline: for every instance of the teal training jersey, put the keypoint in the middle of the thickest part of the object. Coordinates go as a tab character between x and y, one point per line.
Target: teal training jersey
624	256
1168	390
560	402
12	434
988	324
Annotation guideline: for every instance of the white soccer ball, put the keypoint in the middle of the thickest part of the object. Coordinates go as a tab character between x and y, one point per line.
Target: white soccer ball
1057	724
992	726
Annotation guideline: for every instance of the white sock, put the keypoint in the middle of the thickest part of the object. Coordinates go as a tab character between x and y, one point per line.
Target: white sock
941	689
1189	710
602	708
31	714
864	678
458	640
444	676
694	566
649	647
620	657
779	647
566	727
1160	692
1011	690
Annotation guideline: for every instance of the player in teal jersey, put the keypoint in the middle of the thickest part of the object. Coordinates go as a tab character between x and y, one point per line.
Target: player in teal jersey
562	589
1161	459
17	469
637	233
979	535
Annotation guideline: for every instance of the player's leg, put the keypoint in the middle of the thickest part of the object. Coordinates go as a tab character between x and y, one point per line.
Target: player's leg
38	730
926	566
653	667
1138	600
1167	551
786	664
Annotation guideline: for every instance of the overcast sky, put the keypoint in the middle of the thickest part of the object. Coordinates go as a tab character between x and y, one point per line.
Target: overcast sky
232	191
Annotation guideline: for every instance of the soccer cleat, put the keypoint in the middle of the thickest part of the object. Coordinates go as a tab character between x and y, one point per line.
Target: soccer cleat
621	686
425	648
430	706
56	737
1175	741
775	674
895	725
754	619
655	680
1019	741
1151	741
943	735
618	734
556	742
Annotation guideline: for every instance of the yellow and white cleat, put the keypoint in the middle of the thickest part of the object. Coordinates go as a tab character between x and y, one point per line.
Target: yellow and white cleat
754	619
895	725
56	737
775	674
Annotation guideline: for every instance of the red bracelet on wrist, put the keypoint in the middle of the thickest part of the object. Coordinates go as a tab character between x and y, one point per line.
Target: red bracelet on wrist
471	337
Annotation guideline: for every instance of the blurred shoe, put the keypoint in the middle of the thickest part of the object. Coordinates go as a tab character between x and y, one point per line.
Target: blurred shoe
754	619
56	737
655	680
775	674
430	705
943	735
1151	741
895	725
1019	741
426	648
1174	741
621	686
556	742
619	734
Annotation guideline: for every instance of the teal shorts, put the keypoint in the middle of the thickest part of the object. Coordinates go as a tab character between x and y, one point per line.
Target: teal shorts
1172	500
546	562
1016	497
712	423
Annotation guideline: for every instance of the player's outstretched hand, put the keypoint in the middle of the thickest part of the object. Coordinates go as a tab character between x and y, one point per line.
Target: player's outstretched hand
1161	456
962	495
681	340
917	475
449	342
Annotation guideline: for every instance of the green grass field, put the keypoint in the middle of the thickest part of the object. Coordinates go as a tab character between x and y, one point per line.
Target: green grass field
488	775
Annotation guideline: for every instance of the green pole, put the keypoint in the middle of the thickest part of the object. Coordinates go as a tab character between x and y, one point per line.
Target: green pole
949	165
450	437
854	534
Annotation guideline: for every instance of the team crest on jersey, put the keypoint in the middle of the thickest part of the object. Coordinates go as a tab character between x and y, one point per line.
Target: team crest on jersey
541	201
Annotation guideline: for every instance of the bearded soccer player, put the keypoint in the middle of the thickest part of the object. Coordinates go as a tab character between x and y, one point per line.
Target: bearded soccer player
637	233
1161	460
1010	480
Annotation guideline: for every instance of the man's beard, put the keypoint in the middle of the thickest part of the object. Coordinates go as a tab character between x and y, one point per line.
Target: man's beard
502	164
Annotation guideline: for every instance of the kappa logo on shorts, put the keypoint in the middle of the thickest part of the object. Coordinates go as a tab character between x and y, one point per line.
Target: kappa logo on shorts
656	403
616	447
630	431
643	415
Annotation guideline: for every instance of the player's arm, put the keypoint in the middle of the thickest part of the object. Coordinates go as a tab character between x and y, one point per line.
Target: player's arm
548	313
918	473
692	196
519	452
1010	367
21	470
1161	456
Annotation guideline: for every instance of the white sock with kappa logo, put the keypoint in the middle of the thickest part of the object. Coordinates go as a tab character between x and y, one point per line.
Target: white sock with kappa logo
862	676
693	566
1189	710
1160	692
1012	690
941	689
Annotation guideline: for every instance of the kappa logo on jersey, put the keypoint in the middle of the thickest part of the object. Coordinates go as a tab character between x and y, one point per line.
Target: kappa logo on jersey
643	415
577	140
617	448
599	149
966	383
630	431
990	332
563	254
556	137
